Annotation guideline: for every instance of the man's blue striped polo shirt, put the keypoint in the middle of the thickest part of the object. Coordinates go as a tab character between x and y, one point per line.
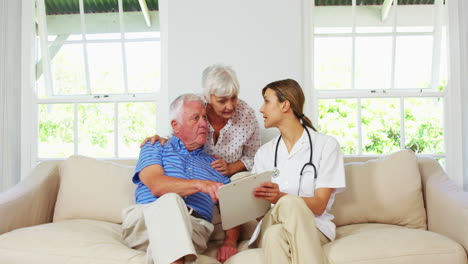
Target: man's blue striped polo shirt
178	162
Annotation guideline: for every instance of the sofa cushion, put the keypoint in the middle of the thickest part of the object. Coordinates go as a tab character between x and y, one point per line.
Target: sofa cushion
93	189
382	244
385	190
69	241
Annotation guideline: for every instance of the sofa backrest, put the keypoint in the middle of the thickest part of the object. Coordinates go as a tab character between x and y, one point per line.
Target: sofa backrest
387	190
94	189
383	190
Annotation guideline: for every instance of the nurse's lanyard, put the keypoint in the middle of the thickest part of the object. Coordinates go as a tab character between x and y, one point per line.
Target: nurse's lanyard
310	163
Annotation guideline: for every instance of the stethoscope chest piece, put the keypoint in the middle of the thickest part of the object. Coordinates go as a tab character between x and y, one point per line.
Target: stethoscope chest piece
275	172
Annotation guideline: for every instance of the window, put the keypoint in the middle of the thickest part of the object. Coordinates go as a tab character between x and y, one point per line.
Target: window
97	77
379	77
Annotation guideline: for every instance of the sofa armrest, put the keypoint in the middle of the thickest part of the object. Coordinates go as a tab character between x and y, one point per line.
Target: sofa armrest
30	202
446	203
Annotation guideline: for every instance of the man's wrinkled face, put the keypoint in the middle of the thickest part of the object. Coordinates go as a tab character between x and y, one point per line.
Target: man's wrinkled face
193	129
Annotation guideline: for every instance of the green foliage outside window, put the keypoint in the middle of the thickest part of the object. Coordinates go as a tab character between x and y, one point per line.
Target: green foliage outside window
96	128
380	124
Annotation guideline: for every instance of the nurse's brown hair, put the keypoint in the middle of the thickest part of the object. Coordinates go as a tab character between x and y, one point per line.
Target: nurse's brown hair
291	91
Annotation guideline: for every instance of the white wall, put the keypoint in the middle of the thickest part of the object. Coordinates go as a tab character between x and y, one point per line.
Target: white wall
261	40
10	93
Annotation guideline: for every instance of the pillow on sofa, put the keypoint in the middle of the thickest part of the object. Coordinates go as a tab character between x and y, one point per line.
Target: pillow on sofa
93	189
386	190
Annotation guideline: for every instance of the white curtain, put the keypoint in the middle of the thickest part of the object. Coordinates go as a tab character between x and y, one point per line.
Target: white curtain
458	32
463	17
10	92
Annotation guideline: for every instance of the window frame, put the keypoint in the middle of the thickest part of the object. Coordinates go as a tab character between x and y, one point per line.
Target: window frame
314	95
31	100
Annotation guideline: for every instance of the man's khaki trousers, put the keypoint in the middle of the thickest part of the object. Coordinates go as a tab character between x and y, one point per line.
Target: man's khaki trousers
165	230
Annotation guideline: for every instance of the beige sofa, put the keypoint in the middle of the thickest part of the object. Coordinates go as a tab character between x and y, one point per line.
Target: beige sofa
396	209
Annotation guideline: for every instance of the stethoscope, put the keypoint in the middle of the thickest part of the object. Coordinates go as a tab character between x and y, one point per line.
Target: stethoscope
310	163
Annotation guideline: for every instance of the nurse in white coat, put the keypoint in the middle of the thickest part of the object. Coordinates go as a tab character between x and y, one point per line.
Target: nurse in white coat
309	172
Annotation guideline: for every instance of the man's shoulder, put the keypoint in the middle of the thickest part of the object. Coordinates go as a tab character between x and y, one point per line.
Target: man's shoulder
148	147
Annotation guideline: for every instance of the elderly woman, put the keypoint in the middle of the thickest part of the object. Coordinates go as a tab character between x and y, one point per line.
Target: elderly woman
233	137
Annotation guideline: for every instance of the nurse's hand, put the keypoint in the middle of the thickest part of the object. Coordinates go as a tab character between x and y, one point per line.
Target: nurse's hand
268	191
153	140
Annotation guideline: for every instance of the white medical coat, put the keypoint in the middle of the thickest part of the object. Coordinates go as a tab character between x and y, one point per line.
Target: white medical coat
328	160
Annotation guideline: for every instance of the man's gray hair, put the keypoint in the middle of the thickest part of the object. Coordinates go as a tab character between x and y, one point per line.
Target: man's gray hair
176	107
220	80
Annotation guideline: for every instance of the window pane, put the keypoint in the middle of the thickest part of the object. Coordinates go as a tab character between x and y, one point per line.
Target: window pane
326	22
40	81
105	68
332	63
373	62
337	117
380	119
415	18
368	19
442	162
102	21
136	122
40	86
443	68
424	132
68	70
413	62
135	25
143	66
96	130
55	130
64	21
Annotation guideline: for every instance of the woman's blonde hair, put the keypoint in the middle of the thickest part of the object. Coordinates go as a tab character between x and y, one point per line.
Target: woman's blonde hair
291	91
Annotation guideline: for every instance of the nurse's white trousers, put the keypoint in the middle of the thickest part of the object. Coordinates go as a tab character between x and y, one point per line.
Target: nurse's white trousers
289	235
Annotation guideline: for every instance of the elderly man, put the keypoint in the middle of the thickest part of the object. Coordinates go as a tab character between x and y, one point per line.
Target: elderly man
176	190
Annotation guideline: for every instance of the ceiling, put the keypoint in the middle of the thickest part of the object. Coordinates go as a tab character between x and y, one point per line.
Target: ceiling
370	2
59	7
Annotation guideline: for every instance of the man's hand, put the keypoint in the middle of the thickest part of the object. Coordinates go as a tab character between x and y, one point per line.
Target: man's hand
227	250
268	191
209	187
153	140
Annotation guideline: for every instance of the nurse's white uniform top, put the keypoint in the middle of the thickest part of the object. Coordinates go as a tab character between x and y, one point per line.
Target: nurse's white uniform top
328	159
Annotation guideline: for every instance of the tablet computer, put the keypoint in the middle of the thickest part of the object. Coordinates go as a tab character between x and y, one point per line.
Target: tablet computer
237	203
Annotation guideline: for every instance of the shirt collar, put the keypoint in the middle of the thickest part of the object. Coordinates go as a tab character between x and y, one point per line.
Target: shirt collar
302	142
178	145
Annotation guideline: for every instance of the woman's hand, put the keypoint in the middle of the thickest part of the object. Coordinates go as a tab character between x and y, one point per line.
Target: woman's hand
268	191
229	247
221	165
153	139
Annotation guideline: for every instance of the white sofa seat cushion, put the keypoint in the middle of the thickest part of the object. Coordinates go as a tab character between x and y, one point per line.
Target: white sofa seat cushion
69	241
382	244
